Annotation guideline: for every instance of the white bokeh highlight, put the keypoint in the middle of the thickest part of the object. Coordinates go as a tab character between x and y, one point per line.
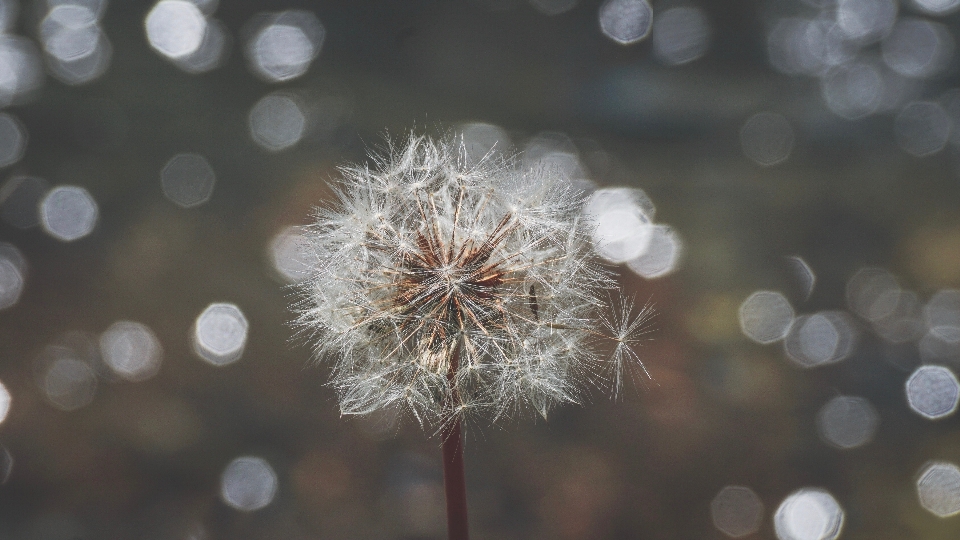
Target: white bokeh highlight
823	338
622	223
626	21
866	21
766	316
21	70
277	122
13	269
69	383
922	128
936	7
292	255
917	48
804	275
853	90
767	138
248	483
680	35
847	422
175	28
938	488
736	511
5	401
68	213
187	180
131	350
77	49
13	140
220	334
808	514
284	45
933	392
662	256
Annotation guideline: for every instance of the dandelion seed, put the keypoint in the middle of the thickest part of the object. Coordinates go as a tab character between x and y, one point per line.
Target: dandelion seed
438	276
450	288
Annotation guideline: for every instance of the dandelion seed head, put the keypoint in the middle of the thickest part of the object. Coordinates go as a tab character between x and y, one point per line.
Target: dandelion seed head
448	286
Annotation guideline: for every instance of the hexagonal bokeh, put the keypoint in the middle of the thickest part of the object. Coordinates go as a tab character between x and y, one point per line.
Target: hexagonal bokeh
736	511
220	334
766	316
933	392
847	422
808	514
938	488
187	180
131	350
248	483
68	213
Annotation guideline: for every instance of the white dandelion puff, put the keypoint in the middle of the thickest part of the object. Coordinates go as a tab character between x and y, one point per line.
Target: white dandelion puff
451	288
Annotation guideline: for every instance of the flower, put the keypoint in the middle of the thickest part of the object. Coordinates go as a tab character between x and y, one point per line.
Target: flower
450	288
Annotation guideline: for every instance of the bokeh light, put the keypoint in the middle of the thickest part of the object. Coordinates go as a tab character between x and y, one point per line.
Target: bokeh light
936	7
77	50
922	128
622	223
808	514
13	140
872	293
175	28
6	464
5	401
68	382
482	140
866	21
942	311
12	275
277	122
21	71
789	49
901	321
938	488
20	200
625	21
736	511
284	45
933	392
68	213
220	334
248	483
853	91
767	138
662	256
210	54
188	180
11	284
847	422
291	255
131	350
917	47
766	316
822	338
805	278
680	35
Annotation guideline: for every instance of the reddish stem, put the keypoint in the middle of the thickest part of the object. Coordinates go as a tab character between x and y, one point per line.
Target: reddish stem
454	482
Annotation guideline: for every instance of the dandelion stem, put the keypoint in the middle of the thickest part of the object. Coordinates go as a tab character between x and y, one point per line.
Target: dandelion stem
454	482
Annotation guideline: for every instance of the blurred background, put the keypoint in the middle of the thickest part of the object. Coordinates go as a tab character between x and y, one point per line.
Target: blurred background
779	177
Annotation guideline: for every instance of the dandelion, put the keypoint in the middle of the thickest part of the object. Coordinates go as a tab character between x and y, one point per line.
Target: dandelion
454	290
